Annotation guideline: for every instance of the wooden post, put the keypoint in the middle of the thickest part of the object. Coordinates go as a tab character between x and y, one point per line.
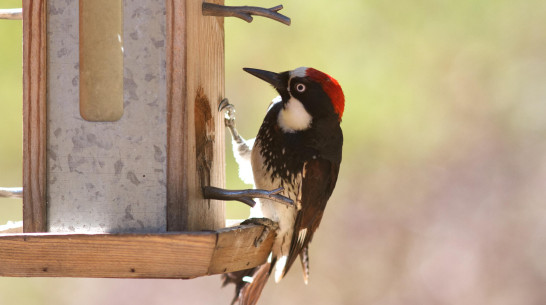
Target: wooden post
34	116
195	86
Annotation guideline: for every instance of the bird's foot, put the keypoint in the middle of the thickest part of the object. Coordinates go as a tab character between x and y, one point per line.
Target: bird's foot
229	119
230	112
246	196
268	225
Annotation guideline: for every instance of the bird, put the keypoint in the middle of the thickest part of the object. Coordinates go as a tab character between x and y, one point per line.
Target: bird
298	149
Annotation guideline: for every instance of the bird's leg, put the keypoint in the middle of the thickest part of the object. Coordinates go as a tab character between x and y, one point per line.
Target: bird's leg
268	225
229	120
246	196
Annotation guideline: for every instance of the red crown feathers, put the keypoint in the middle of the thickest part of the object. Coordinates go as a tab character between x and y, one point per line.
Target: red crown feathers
331	87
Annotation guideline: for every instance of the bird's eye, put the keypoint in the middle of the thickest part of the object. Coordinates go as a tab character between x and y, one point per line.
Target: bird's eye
300	87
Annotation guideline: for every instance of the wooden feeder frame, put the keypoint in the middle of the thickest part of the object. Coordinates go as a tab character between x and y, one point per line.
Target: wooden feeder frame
173	254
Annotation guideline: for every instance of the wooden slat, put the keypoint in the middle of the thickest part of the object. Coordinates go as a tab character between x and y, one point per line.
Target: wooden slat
169	255
34	115
195	86
204	91
177	125
232	245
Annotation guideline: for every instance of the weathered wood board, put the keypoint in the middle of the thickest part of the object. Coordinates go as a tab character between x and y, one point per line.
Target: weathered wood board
165	255
195	87
34	115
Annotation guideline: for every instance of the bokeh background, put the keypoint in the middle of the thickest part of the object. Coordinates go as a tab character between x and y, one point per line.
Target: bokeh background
441	197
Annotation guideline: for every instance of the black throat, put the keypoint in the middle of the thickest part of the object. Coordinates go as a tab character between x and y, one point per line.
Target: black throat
286	153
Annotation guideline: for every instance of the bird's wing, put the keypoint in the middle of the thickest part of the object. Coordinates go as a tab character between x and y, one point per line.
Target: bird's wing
318	181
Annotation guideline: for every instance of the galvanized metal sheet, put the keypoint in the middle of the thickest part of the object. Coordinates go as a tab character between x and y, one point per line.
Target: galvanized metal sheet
108	176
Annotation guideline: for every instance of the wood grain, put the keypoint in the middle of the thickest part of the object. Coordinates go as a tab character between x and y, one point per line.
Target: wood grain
233	246
34	115
177	136
168	255
195	73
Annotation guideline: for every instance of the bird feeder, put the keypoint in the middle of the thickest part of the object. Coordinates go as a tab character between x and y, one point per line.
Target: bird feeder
121	133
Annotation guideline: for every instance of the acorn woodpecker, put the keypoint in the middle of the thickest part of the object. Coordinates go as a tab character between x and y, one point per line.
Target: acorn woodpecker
298	148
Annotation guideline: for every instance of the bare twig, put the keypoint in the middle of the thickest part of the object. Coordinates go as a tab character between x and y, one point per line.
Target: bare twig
244	12
245	196
11	192
11	13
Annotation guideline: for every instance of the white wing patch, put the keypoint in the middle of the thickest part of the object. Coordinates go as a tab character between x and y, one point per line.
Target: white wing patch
301	236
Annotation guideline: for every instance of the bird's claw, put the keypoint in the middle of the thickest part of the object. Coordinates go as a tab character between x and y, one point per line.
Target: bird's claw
268	225
229	116
223	104
229	119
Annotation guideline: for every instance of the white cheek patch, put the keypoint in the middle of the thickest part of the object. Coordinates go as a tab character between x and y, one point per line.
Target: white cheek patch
294	117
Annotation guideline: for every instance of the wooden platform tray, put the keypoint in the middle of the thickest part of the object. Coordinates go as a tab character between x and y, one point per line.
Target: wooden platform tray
181	255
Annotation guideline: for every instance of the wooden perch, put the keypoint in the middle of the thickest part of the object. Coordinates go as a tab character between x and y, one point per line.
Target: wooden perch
163	255
244	12
246	196
11	13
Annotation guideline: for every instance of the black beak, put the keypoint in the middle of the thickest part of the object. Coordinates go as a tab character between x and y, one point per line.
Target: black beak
271	77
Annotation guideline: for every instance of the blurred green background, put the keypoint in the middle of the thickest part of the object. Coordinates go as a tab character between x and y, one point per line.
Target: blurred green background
11	112
442	190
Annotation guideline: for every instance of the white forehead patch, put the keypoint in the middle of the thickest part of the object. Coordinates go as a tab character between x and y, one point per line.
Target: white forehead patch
299	72
293	117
